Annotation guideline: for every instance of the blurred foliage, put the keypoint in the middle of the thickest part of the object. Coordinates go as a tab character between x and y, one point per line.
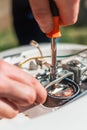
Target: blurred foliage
74	34
70	34
7	39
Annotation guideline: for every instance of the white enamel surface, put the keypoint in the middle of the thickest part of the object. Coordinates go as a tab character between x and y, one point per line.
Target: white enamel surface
70	117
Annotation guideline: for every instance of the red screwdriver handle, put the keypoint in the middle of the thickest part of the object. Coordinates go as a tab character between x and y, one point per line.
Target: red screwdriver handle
55	33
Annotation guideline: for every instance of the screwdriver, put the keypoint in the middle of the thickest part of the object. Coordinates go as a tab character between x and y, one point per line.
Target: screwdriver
55	33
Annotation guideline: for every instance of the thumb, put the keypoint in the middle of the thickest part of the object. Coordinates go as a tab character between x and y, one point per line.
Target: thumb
42	14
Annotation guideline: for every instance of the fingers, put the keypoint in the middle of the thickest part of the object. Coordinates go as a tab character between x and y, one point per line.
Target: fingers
21	85
69	10
7	109
19	93
42	14
68	13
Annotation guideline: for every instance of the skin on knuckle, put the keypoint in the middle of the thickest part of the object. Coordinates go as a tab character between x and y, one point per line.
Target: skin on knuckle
31	96
41	14
69	20
42	93
12	115
44	96
4	67
8	114
73	20
3	85
69	15
34	82
2	64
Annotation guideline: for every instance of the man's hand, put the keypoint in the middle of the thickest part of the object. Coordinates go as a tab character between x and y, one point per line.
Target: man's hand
68	10
18	90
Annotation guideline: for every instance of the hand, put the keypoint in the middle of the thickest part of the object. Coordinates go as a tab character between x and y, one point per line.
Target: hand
68	10
18	90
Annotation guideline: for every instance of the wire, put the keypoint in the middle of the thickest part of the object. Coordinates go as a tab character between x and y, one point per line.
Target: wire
73	54
36	45
63	56
58	80
29	59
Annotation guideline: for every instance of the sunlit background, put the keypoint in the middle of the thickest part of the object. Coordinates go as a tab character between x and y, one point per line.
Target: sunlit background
72	34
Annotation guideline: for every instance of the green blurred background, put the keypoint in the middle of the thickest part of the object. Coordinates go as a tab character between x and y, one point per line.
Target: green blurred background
73	34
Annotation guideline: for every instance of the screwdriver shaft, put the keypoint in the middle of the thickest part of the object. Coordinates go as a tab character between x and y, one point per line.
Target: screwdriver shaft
54	51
